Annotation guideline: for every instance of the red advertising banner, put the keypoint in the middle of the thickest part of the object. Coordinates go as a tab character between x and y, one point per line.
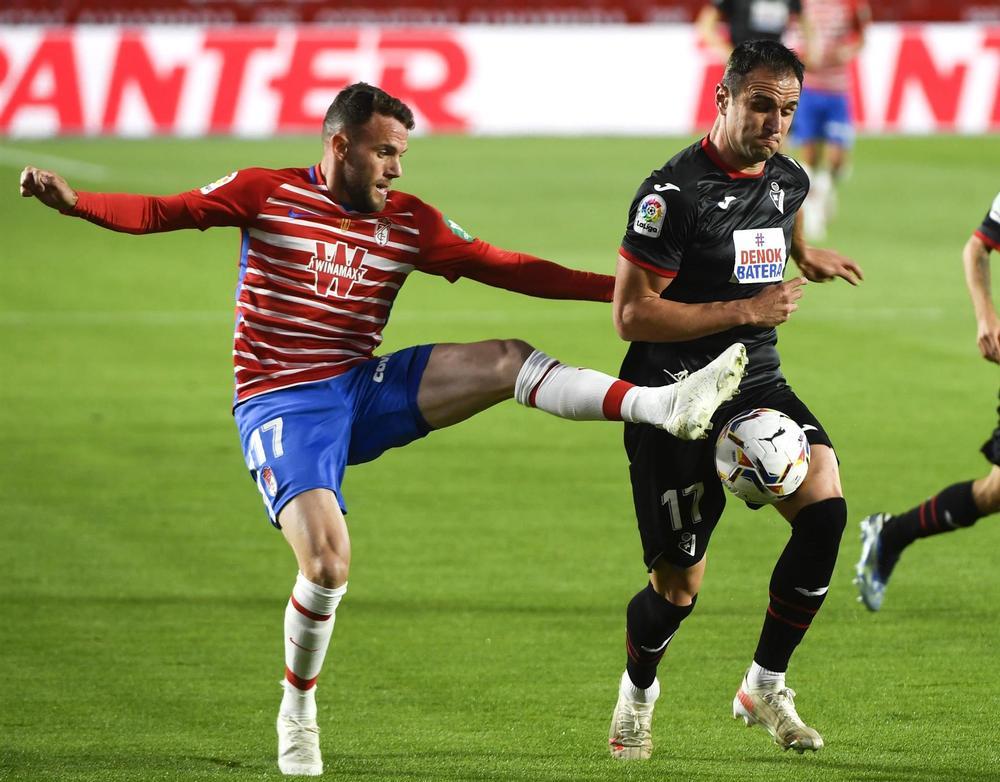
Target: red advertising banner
260	81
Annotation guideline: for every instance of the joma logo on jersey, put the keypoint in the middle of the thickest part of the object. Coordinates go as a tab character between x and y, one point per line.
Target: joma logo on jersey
337	272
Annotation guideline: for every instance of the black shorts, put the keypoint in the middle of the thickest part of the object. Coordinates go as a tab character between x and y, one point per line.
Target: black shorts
677	493
991	448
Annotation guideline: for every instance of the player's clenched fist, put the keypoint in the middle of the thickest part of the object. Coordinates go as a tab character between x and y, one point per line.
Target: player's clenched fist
48	187
776	303
988	338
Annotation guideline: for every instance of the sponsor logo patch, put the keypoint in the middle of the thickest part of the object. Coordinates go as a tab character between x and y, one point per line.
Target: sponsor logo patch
336	268
759	255
219	183
382	232
649	216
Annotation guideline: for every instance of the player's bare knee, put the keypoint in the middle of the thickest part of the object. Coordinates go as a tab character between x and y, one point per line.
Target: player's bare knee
510	357
681	597
677	585
329	569
986	492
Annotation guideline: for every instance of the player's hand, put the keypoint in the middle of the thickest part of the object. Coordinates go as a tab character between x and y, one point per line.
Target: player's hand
988	338
819	265
48	187
776	303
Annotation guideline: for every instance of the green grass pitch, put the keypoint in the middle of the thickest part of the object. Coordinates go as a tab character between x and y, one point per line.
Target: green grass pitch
142	591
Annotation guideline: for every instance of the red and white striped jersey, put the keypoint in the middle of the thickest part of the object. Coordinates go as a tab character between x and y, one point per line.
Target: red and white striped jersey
316	280
834	23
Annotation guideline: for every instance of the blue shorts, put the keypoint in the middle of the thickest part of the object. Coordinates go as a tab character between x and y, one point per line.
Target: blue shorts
301	438
823	116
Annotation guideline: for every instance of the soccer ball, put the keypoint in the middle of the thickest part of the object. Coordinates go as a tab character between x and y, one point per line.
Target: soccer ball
762	456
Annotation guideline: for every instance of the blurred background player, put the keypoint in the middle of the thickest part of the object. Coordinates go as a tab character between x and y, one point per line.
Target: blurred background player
724	24
324	252
833	34
701	265
884	537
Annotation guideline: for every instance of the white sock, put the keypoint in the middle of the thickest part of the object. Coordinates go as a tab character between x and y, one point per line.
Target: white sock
637	694
309	619
297	703
759	678
822	183
584	394
646	405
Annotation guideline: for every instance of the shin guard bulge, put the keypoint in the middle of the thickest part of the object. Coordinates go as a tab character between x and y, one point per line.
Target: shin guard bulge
651	623
800	580
309	619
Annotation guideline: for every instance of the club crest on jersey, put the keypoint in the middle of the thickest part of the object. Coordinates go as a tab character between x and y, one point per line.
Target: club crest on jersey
270	482
337	268
649	215
759	255
778	197
382	232
219	183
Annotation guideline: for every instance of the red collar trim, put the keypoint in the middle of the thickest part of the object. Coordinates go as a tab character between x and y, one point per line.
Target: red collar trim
715	157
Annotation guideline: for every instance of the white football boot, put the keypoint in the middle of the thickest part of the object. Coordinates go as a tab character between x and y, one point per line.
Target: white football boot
869	580
630	736
298	747
691	402
774	710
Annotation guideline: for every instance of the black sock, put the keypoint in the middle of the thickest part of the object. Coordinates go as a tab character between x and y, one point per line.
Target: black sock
800	580
651	622
952	508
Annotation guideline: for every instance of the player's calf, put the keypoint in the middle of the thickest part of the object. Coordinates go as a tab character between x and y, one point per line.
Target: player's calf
800	580
309	619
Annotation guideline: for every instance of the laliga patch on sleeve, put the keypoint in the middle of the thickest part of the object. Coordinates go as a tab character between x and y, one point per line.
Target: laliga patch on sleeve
649	216
219	183
760	255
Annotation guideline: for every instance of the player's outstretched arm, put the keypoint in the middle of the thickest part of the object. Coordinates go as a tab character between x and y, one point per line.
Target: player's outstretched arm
450	251
976	260
49	188
820	265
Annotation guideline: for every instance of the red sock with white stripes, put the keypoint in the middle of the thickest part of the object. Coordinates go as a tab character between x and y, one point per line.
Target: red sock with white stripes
585	394
309	618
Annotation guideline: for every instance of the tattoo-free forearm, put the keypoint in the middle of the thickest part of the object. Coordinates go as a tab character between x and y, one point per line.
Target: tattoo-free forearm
976	260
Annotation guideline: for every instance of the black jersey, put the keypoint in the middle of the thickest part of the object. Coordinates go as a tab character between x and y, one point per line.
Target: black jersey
989	230
720	235
754	19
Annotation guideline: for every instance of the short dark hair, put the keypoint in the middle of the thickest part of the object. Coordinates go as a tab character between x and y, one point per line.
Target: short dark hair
772	55
354	106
